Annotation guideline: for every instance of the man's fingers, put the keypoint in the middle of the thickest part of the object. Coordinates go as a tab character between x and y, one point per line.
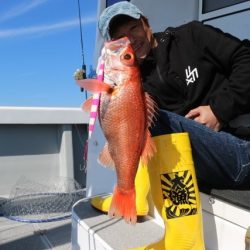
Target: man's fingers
199	120
193	113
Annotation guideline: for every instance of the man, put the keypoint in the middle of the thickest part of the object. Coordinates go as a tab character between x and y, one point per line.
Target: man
200	79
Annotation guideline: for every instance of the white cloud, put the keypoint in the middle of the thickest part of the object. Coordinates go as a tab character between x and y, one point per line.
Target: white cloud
21	9
45	28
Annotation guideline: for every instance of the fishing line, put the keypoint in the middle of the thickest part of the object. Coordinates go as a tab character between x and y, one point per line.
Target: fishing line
81	41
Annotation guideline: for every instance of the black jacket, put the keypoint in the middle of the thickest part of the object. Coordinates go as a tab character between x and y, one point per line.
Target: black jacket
196	65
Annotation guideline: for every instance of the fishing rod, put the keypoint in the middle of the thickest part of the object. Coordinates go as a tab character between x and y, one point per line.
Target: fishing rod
82	50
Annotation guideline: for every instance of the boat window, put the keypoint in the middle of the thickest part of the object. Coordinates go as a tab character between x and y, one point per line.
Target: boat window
211	5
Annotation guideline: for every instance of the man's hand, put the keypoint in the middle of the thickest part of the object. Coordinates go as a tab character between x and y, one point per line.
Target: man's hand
204	115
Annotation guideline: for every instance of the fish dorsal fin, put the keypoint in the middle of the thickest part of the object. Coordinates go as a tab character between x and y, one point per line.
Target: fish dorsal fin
86	106
105	158
151	109
149	148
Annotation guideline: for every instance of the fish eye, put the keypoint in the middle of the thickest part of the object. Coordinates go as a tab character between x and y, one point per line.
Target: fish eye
127	56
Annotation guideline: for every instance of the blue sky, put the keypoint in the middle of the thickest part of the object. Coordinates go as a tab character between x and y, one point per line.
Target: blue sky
40	49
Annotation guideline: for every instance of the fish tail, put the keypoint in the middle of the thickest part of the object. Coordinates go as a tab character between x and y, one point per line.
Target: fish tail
123	205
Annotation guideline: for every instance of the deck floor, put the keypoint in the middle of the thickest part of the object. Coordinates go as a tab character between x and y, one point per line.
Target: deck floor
35	236
16	235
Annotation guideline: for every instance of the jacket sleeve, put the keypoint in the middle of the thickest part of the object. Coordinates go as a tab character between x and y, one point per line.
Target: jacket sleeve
232	59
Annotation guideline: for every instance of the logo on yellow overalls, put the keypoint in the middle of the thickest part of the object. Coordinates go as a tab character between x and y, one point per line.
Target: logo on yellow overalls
179	194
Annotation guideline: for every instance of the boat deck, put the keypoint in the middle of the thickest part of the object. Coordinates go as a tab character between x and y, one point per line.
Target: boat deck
57	235
37	236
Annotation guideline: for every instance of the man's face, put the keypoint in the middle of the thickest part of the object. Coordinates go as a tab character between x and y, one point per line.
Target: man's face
139	34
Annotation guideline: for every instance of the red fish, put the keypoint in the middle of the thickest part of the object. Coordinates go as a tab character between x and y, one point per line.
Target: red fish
125	114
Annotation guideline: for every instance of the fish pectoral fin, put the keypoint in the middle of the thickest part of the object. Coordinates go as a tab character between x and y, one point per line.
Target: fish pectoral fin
105	158
86	106
152	109
149	148
95	86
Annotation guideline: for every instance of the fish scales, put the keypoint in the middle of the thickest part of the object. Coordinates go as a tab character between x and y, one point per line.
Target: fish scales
123	121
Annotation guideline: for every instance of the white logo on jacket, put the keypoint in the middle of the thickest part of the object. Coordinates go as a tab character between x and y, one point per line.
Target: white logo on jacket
191	75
